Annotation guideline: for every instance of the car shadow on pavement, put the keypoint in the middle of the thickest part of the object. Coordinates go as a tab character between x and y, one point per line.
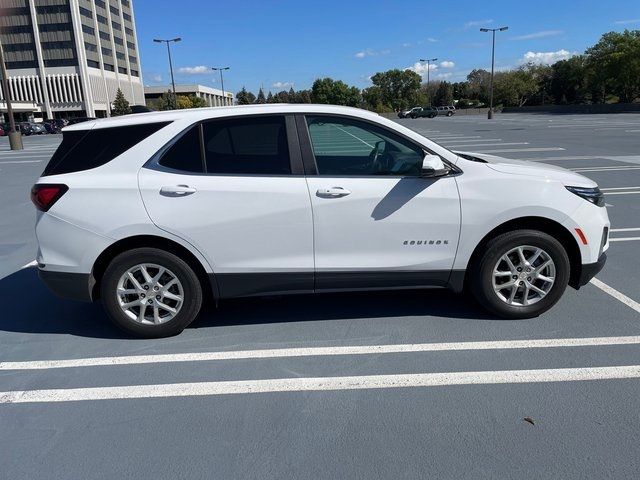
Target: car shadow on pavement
28	307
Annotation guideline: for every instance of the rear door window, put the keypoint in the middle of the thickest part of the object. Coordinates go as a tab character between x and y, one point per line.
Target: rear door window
86	149
247	146
185	154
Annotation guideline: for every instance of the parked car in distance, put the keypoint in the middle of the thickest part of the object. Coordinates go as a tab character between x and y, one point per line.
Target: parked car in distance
2	131
37	128
76	120
54	125
446	111
407	113
26	128
421	112
261	199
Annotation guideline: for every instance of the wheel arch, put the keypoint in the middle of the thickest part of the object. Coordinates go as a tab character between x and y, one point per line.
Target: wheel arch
209	285
542	224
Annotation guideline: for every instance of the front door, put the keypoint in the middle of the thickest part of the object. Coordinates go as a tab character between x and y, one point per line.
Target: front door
377	222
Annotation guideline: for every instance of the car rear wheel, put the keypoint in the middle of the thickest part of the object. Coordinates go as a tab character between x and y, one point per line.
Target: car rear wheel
521	274
150	293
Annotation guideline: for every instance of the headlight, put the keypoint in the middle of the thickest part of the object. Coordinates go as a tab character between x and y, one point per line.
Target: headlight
593	195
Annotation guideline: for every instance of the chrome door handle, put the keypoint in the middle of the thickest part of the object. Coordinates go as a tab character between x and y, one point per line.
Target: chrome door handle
177	190
332	192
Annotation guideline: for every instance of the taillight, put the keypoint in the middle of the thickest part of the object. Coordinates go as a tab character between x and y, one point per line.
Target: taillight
44	195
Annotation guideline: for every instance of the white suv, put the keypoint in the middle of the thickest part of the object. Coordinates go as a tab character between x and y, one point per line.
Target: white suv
155	212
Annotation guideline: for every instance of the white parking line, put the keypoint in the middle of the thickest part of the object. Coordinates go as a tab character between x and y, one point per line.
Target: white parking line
515	150
316	384
603	169
622	193
625	239
19	161
321	351
613	230
616	294
461	145
618	188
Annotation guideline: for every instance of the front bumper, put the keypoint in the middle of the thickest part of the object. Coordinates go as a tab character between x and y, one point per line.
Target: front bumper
590	270
73	286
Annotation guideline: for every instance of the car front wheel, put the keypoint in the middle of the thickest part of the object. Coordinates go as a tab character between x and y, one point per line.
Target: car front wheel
150	293
521	274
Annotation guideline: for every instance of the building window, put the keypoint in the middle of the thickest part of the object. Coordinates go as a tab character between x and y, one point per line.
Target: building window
133	59
102	19
125	3
90	47
120	56
131	45
86	13
135	73
114	10
105	36
122	70
116	26
93	64
107	51
118	41
129	31
100	3
126	16
88	30
108	66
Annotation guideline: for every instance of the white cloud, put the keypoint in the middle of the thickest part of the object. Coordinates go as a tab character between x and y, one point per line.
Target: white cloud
432	40
477	23
157	78
421	68
371	53
627	22
282	85
546	58
541	34
407	44
444	76
199	70
447	64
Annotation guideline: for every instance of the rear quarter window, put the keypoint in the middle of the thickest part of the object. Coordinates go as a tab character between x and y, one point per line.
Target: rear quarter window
86	149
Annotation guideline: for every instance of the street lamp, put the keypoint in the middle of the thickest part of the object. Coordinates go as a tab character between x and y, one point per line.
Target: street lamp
173	82
428	60
224	99
15	137
493	59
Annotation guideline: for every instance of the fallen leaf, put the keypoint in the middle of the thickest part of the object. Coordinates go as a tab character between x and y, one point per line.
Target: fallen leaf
529	419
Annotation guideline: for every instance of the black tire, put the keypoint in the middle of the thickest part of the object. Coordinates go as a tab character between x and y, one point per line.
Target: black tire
481	279
192	290
449	114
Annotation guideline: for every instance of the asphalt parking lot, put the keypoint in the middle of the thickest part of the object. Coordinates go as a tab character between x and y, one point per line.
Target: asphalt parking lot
385	385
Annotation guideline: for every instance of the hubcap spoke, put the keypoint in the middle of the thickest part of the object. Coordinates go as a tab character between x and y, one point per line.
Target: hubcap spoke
144	299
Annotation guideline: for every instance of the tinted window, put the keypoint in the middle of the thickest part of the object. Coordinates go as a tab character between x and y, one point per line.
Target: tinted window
349	147
185	153
256	145
86	149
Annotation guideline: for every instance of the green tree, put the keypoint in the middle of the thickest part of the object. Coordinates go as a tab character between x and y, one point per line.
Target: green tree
270	98
444	95
243	97
197	102
120	105
568	81
291	95
334	92
515	87
397	88
183	102
372	97
614	64
479	80
261	98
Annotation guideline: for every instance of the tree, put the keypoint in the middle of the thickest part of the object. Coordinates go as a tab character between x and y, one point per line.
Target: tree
270	97
515	87
372	97
291	96
120	105
614	64
334	92
243	97
479	81
444	95
261	98
197	102
398	88
568	81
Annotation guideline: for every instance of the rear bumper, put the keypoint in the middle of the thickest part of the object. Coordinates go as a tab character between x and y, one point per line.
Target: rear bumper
590	270
73	286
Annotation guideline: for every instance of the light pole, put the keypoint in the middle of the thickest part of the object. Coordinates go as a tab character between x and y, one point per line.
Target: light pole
428	60
173	82
15	137
224	99
493	59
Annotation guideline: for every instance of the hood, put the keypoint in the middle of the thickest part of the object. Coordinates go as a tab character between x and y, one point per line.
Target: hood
534	169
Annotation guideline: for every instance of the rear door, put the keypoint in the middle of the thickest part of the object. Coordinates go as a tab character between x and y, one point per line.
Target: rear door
377	222
234	189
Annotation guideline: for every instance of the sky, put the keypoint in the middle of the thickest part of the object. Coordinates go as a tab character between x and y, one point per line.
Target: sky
277	44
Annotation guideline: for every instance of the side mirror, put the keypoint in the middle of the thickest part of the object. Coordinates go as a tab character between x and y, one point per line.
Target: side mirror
433	166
